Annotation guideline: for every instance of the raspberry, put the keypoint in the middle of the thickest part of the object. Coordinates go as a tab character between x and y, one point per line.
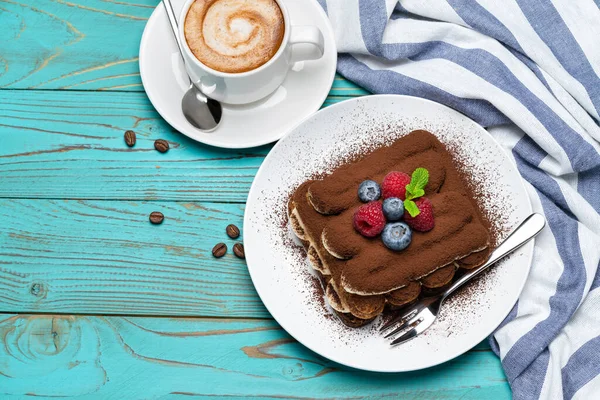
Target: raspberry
424	221
369	220
394	185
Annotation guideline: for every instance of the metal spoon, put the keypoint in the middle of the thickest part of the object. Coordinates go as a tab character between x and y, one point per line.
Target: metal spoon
201	111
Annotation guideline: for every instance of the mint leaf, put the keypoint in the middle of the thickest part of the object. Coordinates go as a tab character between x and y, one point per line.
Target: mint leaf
418	181
411	207
417	193
415	189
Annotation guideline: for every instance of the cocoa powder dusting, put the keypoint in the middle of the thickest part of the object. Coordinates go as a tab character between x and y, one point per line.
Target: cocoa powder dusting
372	268
476	178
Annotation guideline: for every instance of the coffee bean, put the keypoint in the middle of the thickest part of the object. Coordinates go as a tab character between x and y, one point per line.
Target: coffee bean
161	145
238	250
130	138
232	231
219	250
156	217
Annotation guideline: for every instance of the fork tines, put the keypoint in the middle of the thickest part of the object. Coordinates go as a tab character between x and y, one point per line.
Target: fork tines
400	317
408	325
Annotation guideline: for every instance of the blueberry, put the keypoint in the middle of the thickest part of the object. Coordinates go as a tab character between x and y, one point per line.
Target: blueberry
393	209
396	236
369	191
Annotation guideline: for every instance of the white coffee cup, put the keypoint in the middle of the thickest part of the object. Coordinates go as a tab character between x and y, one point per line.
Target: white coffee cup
253	85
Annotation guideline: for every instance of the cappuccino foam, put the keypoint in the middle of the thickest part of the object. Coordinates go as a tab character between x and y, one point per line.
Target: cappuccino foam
234	35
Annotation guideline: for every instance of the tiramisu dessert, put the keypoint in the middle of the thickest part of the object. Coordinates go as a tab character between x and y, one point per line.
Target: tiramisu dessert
389	226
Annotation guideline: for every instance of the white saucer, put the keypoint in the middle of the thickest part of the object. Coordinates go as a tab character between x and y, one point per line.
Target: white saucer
265	121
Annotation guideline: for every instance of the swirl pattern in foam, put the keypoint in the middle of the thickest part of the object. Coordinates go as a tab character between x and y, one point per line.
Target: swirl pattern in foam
234	35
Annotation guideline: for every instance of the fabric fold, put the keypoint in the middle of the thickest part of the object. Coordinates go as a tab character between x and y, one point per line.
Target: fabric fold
529	72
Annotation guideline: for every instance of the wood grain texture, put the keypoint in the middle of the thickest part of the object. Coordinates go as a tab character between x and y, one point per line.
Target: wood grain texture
65	144
71	43
99	254
105	257
118	357
85	50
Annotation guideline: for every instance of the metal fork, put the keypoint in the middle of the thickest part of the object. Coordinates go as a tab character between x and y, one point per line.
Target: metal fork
422	315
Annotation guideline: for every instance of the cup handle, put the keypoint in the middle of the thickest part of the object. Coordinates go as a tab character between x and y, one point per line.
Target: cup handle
306	34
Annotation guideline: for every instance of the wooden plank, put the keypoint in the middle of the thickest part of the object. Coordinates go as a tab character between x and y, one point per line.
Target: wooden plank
92	45
344	87
65	144
105	257
117	357
72	44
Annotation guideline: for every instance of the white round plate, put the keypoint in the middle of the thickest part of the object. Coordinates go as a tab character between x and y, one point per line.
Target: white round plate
283	278
265	121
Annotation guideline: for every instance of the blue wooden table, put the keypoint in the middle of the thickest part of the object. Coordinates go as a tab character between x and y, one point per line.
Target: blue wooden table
98	303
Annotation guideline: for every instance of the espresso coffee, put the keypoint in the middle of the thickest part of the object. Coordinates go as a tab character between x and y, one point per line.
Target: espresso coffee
234	35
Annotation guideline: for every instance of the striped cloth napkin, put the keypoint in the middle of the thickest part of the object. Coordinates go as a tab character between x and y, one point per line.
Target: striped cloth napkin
528	71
